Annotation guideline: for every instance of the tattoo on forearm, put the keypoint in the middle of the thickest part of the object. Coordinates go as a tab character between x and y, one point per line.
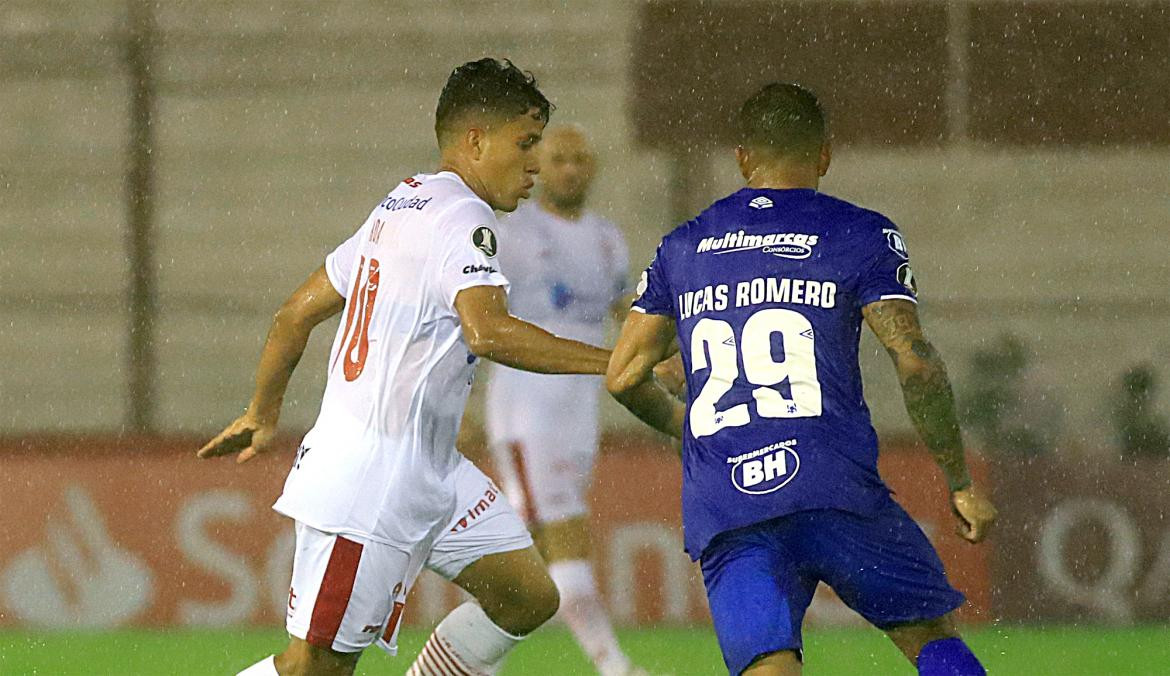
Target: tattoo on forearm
931	405
926	387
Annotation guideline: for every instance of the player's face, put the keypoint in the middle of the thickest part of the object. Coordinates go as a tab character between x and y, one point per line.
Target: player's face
508	160
567	166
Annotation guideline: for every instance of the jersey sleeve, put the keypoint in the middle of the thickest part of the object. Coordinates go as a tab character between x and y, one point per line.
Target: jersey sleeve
653	296
887	274
468	251
339	263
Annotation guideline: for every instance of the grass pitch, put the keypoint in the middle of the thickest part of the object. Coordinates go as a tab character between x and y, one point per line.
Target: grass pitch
1055	651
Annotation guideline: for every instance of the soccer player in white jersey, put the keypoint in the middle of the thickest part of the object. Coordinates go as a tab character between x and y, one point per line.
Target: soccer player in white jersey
568	268
377	489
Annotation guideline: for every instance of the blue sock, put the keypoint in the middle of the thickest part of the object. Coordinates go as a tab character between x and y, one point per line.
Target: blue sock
948	657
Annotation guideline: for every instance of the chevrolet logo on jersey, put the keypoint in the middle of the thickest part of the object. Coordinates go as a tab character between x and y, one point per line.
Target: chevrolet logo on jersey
794	245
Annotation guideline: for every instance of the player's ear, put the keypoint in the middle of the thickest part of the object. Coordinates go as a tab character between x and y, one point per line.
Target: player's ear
476	139
825	158
743	158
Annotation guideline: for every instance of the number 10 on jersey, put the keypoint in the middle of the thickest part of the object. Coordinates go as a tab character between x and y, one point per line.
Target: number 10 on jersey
714	346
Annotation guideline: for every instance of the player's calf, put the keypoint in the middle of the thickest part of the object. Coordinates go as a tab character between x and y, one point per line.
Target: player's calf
303	659
934	646
782	663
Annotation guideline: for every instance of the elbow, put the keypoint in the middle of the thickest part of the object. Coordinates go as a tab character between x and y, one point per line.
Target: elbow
290	317
620	386
481	343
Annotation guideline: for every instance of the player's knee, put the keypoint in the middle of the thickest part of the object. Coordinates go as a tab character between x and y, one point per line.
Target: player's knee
545	601
520	609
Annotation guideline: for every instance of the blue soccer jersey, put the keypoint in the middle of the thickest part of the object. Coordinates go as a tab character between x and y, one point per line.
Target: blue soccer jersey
766	288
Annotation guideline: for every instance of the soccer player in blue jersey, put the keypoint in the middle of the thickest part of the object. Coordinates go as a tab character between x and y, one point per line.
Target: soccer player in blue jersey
766	291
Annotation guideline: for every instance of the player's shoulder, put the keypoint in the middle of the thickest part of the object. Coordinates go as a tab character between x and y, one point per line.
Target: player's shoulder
454	205
862	219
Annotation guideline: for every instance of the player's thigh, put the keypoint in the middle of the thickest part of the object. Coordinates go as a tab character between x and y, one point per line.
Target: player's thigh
484	523
757	595
564	540
343	590
881	565
488	551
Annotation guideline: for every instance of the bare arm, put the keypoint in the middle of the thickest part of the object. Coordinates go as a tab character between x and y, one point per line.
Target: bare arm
931	405
644	342
492	333
315	301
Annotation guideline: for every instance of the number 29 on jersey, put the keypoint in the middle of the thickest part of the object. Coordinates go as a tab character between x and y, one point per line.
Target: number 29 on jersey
715	346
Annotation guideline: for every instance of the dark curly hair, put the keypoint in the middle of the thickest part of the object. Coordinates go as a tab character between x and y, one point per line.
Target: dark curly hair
492	87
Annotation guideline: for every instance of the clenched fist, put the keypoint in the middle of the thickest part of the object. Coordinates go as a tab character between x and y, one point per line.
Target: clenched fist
976	514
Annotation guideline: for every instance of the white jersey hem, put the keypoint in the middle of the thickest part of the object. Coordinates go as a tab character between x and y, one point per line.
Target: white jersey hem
346	530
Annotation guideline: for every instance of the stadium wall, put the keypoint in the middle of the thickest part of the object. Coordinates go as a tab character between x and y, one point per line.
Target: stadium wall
105	532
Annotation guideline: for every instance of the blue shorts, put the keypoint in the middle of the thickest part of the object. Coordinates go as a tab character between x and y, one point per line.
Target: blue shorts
760	579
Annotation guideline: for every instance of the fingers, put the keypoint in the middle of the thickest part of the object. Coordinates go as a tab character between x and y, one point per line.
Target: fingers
971	532
229	441
246	455
975	529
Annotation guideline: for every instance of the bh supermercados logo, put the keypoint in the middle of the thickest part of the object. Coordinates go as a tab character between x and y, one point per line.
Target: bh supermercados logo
766	469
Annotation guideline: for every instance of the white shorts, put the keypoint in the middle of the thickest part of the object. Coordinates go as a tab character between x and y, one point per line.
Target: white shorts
349	591
543	435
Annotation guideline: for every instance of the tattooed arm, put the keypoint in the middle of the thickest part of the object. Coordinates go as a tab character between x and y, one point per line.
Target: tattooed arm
931	405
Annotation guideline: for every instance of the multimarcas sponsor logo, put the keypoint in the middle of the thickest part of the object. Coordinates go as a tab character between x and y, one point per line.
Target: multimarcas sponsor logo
793	245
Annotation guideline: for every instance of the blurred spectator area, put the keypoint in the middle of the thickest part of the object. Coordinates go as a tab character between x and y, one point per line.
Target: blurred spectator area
1021	146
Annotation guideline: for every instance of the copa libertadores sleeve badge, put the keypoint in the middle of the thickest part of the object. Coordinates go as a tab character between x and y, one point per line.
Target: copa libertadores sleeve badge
485	240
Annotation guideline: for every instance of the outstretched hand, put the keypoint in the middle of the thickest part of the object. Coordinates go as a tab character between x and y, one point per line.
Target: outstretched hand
246	436
976	514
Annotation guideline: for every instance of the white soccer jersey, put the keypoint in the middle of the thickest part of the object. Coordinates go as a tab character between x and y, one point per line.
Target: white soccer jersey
566	275
379	461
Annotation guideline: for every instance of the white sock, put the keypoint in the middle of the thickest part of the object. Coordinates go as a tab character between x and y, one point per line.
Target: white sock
265	667
465	642
583	612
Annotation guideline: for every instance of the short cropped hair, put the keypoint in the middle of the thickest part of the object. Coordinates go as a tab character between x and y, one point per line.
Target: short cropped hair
487	87
784	120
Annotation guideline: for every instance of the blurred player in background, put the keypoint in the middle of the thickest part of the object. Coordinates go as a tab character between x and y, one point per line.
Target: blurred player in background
568	268
377	488
766	291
